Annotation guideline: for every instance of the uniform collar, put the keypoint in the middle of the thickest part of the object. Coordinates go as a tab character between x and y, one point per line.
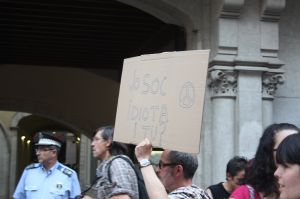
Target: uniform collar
51	169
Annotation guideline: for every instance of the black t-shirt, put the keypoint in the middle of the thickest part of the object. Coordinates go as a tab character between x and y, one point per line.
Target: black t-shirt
218	191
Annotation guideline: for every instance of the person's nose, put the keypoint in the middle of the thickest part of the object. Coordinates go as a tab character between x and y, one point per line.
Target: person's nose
277	173
157	170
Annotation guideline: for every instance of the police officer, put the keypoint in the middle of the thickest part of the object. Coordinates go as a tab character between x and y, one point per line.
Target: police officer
48	178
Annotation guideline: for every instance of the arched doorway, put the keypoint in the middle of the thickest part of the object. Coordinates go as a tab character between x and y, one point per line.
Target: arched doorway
29	126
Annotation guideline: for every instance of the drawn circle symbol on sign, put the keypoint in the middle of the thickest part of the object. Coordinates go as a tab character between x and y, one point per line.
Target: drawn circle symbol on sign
187	95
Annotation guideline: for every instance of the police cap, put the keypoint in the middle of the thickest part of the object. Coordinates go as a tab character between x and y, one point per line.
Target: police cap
46	138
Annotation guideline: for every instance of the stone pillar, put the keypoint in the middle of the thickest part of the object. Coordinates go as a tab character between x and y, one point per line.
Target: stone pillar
85	162
269	26
13	134
13	158
5	162
257	57
249	111
269	47
270	82
223	86
71	149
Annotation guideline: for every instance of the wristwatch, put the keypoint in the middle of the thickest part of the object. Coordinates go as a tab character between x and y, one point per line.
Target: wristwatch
144	163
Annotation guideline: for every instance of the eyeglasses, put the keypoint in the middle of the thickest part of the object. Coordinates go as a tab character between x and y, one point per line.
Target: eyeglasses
95	139
43	149
162	164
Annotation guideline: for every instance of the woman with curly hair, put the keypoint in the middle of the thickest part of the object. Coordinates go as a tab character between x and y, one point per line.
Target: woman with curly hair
260	180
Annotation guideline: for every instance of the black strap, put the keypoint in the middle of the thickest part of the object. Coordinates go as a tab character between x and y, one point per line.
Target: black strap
141	186
93	183
127	160
109	176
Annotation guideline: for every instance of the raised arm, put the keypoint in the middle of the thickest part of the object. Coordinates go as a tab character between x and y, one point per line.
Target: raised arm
154	186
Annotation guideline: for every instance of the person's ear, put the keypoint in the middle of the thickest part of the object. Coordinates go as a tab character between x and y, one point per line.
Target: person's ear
229	176
179	169
108	143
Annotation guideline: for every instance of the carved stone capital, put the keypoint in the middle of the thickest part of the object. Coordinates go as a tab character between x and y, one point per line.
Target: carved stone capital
231	8
271	9
223	83
270	82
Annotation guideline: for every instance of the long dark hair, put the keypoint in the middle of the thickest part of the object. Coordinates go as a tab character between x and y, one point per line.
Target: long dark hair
261	173
116	148
288	151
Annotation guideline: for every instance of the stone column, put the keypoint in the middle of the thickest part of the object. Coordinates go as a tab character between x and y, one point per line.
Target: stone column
269	30
5	162
244	42
85	162
269	47
13	132
223	84
223	87
270	82
13	158
249	111
257	57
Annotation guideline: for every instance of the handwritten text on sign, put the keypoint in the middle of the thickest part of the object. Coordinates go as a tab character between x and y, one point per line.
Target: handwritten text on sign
151	120
161	97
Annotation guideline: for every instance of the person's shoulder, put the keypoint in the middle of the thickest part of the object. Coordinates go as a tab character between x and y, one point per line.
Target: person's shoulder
65	170
215	185
240	192
33	166
121	164
121	160
192	191
241	188
198	189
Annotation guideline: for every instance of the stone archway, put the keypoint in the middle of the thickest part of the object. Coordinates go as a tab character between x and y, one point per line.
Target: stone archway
189	15
21	152
170	12
72	95
5	148
13	150
80	99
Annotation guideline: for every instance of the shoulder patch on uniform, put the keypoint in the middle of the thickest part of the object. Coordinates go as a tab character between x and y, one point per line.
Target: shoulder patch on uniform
32	166
68	172
65	170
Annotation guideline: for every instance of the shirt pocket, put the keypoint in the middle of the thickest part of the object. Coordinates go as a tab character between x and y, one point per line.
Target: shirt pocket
31	190
58	193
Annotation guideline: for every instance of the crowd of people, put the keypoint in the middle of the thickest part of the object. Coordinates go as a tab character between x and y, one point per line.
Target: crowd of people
273	173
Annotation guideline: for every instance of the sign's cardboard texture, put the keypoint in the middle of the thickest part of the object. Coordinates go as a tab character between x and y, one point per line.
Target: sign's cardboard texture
161	97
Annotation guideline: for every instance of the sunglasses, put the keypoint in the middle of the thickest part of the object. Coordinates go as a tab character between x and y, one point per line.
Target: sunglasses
161	164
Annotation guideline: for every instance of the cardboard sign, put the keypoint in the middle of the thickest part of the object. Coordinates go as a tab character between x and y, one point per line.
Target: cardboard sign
161	97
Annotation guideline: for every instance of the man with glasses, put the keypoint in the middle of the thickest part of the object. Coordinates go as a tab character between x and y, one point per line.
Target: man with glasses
174	174
235	174
48	178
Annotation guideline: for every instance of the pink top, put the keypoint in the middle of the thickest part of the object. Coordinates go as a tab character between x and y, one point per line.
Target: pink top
243	192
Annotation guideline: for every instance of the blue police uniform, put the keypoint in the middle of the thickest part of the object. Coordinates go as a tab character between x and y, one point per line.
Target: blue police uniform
59	182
